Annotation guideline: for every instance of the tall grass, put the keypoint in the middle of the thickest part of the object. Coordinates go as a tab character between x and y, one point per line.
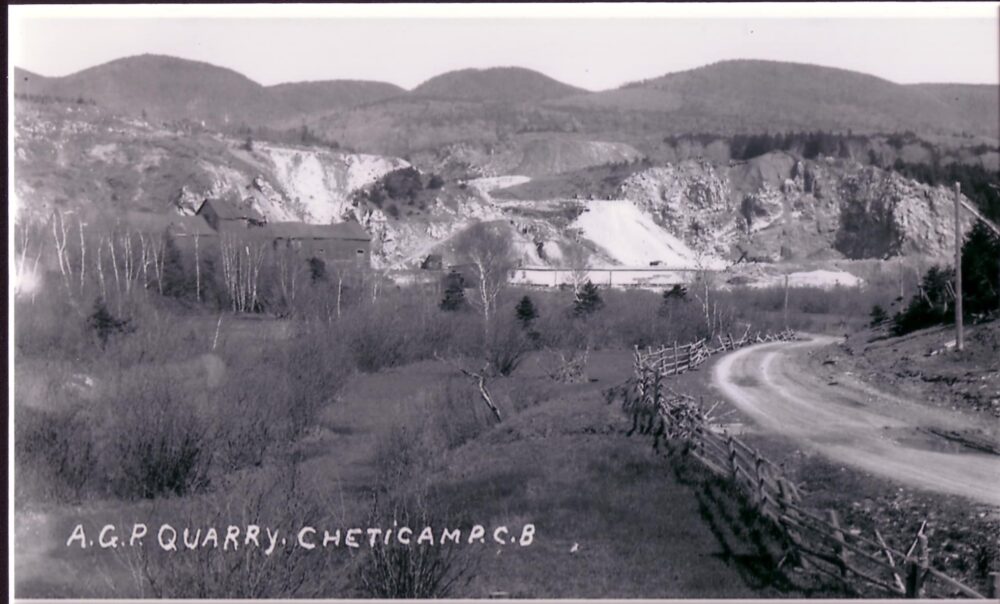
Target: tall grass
186	396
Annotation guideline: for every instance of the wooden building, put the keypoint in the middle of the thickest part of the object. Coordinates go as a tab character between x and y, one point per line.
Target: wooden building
342	244
224	215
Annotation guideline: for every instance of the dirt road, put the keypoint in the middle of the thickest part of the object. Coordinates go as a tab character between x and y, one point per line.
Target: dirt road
787	390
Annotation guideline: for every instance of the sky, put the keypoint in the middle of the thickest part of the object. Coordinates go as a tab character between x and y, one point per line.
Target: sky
592	46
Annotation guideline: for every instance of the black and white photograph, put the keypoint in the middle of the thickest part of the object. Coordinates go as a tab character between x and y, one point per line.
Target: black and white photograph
693	301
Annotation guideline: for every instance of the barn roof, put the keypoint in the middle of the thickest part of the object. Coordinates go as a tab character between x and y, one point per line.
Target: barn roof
228	210
157	223
297	230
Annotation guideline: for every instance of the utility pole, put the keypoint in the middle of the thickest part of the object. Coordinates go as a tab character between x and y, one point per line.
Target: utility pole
902	293
786	301
959	335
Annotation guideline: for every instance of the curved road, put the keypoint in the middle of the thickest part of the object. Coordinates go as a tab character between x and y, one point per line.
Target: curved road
785	391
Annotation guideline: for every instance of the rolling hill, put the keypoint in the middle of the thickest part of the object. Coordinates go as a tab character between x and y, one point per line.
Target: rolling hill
170	88
490	107
977	102
499	84
753	96
303	98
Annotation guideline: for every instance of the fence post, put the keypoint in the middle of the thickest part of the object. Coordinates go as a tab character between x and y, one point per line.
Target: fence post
923	564
675	358
786	498
994	586
839	536
734	466
912	580
916	568
700	431
758	467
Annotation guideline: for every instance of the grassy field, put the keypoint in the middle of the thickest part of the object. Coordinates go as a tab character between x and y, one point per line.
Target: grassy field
612	520
163	410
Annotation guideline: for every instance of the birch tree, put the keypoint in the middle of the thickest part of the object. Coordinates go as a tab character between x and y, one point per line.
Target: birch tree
27	252
488	250
576	260
288	267
242	259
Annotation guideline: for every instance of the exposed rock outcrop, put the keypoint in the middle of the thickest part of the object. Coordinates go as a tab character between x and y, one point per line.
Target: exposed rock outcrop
778	206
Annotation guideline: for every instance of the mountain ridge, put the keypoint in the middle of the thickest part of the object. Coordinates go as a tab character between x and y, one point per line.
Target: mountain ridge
483	106
510	84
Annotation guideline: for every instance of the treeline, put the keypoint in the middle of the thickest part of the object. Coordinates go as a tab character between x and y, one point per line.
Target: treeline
934	302
809	145
47	99
289	136
403	186
978	183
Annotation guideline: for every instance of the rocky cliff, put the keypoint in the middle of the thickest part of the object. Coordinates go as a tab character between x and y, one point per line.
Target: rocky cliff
75	157
774	207
778	206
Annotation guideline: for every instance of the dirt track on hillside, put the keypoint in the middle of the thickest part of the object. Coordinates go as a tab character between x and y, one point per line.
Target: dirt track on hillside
785	390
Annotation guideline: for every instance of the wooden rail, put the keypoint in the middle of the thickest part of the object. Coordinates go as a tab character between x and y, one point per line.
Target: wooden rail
671	360
663	414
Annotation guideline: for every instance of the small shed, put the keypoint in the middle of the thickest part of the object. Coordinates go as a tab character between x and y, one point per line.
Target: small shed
225	214
432	262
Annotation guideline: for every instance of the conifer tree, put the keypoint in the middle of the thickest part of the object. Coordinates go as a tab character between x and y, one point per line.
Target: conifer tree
981	269
588	300
454	293
526	312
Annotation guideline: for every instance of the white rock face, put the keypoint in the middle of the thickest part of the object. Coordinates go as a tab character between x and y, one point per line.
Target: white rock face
778	207
691	200
320	183
631	238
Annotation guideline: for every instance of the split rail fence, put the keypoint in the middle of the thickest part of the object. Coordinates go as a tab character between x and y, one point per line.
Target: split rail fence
816	540
671	360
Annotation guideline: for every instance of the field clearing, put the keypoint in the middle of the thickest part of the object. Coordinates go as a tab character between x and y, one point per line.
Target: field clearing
596	498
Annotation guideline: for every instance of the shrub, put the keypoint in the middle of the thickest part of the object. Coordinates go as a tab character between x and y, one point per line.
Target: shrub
410	571
54	454
931	306
878	316
402	184
435	182
588	300
152	442
317	269
454	293
105	324
275	497
507	346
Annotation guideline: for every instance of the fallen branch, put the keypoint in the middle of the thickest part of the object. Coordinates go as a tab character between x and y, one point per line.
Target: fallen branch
480	378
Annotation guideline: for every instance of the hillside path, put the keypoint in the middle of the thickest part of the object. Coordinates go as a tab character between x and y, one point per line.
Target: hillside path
785	389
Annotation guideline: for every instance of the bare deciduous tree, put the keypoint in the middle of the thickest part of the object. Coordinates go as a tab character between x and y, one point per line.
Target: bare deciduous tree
288	267
241	262
27	242
60	234
576	260
488	249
